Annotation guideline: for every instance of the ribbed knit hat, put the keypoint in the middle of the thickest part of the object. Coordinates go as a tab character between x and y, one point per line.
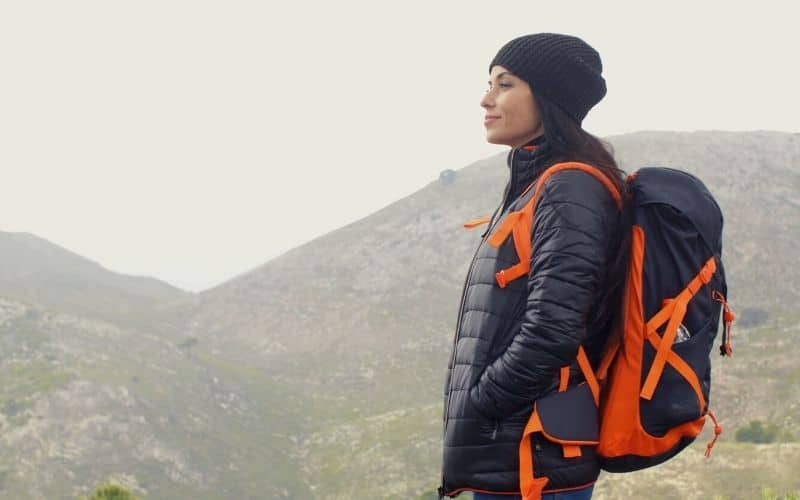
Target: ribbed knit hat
562	68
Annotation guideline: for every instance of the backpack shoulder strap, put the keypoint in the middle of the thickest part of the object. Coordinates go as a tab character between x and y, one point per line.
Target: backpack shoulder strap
583	167
520	223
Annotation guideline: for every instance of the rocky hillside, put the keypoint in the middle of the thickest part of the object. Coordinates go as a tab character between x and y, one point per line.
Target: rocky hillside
83	401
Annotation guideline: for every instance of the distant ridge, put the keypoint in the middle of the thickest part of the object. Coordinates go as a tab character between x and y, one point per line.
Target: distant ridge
37	271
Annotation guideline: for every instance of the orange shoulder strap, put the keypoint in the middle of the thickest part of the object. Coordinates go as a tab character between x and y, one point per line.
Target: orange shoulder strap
520	223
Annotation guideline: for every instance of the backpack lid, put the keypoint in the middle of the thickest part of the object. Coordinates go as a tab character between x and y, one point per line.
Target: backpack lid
686	194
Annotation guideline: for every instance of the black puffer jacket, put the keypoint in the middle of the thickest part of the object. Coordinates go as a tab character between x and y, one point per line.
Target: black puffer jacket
511	342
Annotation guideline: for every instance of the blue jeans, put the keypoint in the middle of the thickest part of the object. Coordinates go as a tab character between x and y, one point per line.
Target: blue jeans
582	494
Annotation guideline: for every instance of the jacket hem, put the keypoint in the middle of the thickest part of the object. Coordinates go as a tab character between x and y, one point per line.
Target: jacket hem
509	493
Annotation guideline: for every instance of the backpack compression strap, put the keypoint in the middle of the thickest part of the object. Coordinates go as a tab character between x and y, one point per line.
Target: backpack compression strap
672	314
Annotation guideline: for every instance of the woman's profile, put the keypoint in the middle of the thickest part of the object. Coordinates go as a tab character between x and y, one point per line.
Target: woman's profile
519	327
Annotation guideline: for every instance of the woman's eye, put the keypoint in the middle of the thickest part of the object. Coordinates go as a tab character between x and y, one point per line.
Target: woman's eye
502	85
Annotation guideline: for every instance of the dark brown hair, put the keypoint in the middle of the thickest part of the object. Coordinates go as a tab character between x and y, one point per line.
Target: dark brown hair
567	141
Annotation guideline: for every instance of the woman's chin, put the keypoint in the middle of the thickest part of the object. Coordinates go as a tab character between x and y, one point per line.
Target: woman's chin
494	139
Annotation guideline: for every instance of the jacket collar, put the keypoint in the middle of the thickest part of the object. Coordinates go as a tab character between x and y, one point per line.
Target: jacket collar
526	163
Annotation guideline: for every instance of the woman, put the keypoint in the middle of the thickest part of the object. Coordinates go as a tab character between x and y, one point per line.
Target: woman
512	339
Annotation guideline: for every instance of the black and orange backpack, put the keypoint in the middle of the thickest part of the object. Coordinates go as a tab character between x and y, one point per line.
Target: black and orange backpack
650	393
656	382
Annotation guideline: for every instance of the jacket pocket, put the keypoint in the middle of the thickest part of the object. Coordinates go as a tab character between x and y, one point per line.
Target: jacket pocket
561	435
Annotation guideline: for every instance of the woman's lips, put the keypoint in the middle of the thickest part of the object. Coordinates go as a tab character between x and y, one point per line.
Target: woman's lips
490	119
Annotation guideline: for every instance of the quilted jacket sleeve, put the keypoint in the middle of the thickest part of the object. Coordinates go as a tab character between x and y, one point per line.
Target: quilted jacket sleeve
575	218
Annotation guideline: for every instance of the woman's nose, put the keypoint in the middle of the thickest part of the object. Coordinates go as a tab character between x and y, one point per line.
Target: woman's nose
487	101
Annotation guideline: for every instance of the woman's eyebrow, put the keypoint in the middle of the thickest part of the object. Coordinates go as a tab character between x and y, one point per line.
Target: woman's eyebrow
504	73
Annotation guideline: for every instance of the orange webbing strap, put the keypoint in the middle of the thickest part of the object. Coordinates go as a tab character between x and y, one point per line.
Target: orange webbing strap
678	308
504	229
520	223
570	451
477	222
673	314
588	374
530	486
583	167
517	224
563	382
608	357
681	367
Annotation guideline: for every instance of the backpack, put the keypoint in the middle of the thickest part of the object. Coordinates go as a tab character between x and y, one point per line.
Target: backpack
649	396
657	380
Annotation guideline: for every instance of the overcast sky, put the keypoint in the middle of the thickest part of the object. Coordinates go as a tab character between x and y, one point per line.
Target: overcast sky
194	140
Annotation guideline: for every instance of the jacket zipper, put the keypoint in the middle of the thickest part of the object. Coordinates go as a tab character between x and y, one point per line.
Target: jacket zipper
484	237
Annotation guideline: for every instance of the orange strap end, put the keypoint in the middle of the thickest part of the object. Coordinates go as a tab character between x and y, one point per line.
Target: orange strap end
530	486
505	276
477	222
571	450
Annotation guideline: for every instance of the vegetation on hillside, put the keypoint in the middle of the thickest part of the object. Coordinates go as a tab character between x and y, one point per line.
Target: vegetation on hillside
111	492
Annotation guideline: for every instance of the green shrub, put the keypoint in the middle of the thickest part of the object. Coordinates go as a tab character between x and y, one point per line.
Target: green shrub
757	432
111	492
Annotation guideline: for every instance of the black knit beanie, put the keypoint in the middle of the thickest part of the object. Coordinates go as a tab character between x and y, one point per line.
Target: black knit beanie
562	68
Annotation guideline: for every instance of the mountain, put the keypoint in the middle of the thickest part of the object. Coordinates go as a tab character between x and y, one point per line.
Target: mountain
37	271
320	373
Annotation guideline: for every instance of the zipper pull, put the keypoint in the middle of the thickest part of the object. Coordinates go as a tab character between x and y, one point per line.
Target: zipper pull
494	432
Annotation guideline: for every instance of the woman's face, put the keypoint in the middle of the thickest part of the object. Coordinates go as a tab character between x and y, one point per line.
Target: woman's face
512	116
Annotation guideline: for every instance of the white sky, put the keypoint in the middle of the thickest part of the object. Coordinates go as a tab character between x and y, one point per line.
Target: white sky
195	140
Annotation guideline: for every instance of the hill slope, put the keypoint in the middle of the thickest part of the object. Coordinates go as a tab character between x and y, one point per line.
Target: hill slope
39	272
